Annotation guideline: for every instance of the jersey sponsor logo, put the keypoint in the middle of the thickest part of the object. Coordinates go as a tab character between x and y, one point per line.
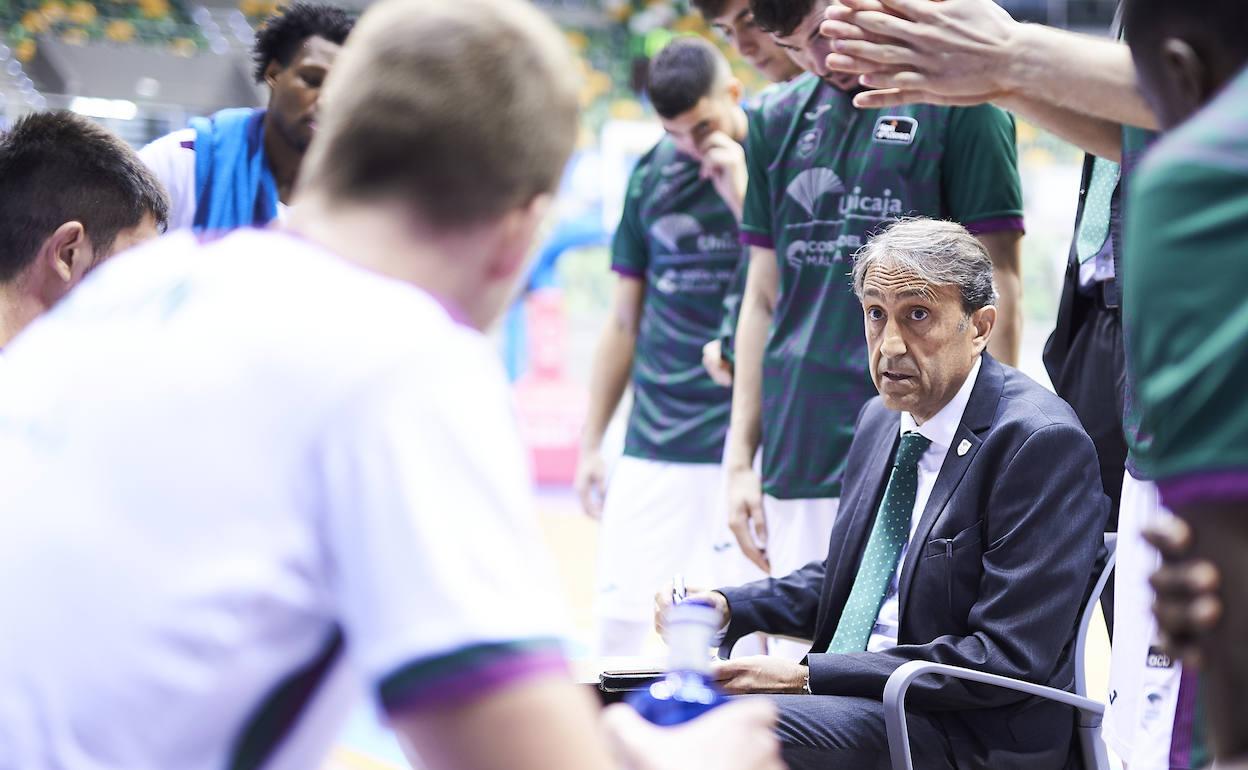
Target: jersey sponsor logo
673	168
694	280
670	228
821	253
895	129
1157	658
669	231
810	186
871	206
808	142
816	112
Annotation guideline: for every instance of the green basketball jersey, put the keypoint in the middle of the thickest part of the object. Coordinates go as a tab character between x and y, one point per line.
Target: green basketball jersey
824	176
1185	304
680	238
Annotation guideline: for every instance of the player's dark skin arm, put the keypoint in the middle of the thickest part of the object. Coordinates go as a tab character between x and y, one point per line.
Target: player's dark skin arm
1202	608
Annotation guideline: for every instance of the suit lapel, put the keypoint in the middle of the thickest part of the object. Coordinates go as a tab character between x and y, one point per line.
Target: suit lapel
859	516
976	419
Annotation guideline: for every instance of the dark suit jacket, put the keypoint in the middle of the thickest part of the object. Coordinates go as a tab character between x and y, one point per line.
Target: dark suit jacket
994	577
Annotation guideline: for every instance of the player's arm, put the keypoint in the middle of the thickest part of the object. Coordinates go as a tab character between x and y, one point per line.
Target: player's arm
1091	134
745	505
971	51
541	724
613	363
1005	250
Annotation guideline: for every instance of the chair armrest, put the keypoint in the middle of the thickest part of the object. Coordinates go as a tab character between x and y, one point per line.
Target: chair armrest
899	683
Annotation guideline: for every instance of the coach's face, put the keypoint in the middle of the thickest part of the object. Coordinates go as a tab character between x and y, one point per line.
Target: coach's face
921	342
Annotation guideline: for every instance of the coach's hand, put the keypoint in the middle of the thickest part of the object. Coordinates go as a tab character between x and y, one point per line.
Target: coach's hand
759	674
735	736
663	600
745	515
591	482
715	364
723	162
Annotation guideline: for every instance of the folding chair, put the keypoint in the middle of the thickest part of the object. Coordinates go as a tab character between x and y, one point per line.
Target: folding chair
1090	711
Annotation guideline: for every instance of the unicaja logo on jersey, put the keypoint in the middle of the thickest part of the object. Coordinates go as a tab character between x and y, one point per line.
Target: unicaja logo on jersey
808	189
706	267
895	129
670	228
810	186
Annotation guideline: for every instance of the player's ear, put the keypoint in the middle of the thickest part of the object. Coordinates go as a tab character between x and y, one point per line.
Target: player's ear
516	233
271	72
67	253
1188	81
735	89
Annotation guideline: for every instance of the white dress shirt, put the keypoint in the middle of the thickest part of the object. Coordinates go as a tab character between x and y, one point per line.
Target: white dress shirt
940	430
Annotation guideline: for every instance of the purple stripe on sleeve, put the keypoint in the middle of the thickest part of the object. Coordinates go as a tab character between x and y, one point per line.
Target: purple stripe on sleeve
628	272
471	684
757	239
1184	714
997	225
189	144
1226	486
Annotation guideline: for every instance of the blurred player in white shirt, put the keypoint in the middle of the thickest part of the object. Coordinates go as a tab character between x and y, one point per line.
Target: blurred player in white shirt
247	479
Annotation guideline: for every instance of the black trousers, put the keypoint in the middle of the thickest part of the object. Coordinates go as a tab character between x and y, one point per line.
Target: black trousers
836	732
1087	365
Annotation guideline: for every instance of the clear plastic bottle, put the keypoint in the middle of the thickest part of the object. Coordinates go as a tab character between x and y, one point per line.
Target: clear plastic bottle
688	690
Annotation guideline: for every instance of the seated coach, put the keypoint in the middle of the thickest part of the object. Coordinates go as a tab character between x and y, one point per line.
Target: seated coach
969	527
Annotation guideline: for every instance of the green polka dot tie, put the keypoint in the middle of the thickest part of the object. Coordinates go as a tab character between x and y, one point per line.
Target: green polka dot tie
1094	225
879	560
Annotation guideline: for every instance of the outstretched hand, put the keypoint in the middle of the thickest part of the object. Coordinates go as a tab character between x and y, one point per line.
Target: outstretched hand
949	52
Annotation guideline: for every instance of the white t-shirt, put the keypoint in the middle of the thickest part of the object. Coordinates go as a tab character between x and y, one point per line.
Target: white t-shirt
172	159
243	481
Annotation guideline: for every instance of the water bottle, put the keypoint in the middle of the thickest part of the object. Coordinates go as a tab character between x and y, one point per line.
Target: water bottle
688	690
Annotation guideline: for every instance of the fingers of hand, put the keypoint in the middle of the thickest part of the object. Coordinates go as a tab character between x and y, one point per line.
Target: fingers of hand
842	28
879	53
1170	535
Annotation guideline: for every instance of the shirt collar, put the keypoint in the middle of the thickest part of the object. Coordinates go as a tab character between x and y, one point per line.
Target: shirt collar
941	429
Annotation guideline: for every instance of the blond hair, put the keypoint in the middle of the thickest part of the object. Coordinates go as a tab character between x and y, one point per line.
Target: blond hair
466	109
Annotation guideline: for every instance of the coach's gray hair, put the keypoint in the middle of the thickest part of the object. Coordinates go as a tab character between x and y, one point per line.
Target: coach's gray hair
941	253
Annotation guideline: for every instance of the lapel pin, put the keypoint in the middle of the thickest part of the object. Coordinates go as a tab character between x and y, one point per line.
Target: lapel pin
964	447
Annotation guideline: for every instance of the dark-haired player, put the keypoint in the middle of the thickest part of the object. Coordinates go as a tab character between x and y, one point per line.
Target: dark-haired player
823	177
238	168
676	251
735	22
71	195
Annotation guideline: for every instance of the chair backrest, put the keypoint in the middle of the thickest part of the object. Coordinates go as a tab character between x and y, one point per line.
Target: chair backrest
1085	620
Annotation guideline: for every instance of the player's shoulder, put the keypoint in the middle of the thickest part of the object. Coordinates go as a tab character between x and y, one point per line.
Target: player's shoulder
1211	143
174	144
779	102
360	321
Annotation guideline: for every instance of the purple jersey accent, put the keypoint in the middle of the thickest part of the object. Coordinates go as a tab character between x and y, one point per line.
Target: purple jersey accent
465	685
629	272
188	144
755	239
997	225
1224	486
